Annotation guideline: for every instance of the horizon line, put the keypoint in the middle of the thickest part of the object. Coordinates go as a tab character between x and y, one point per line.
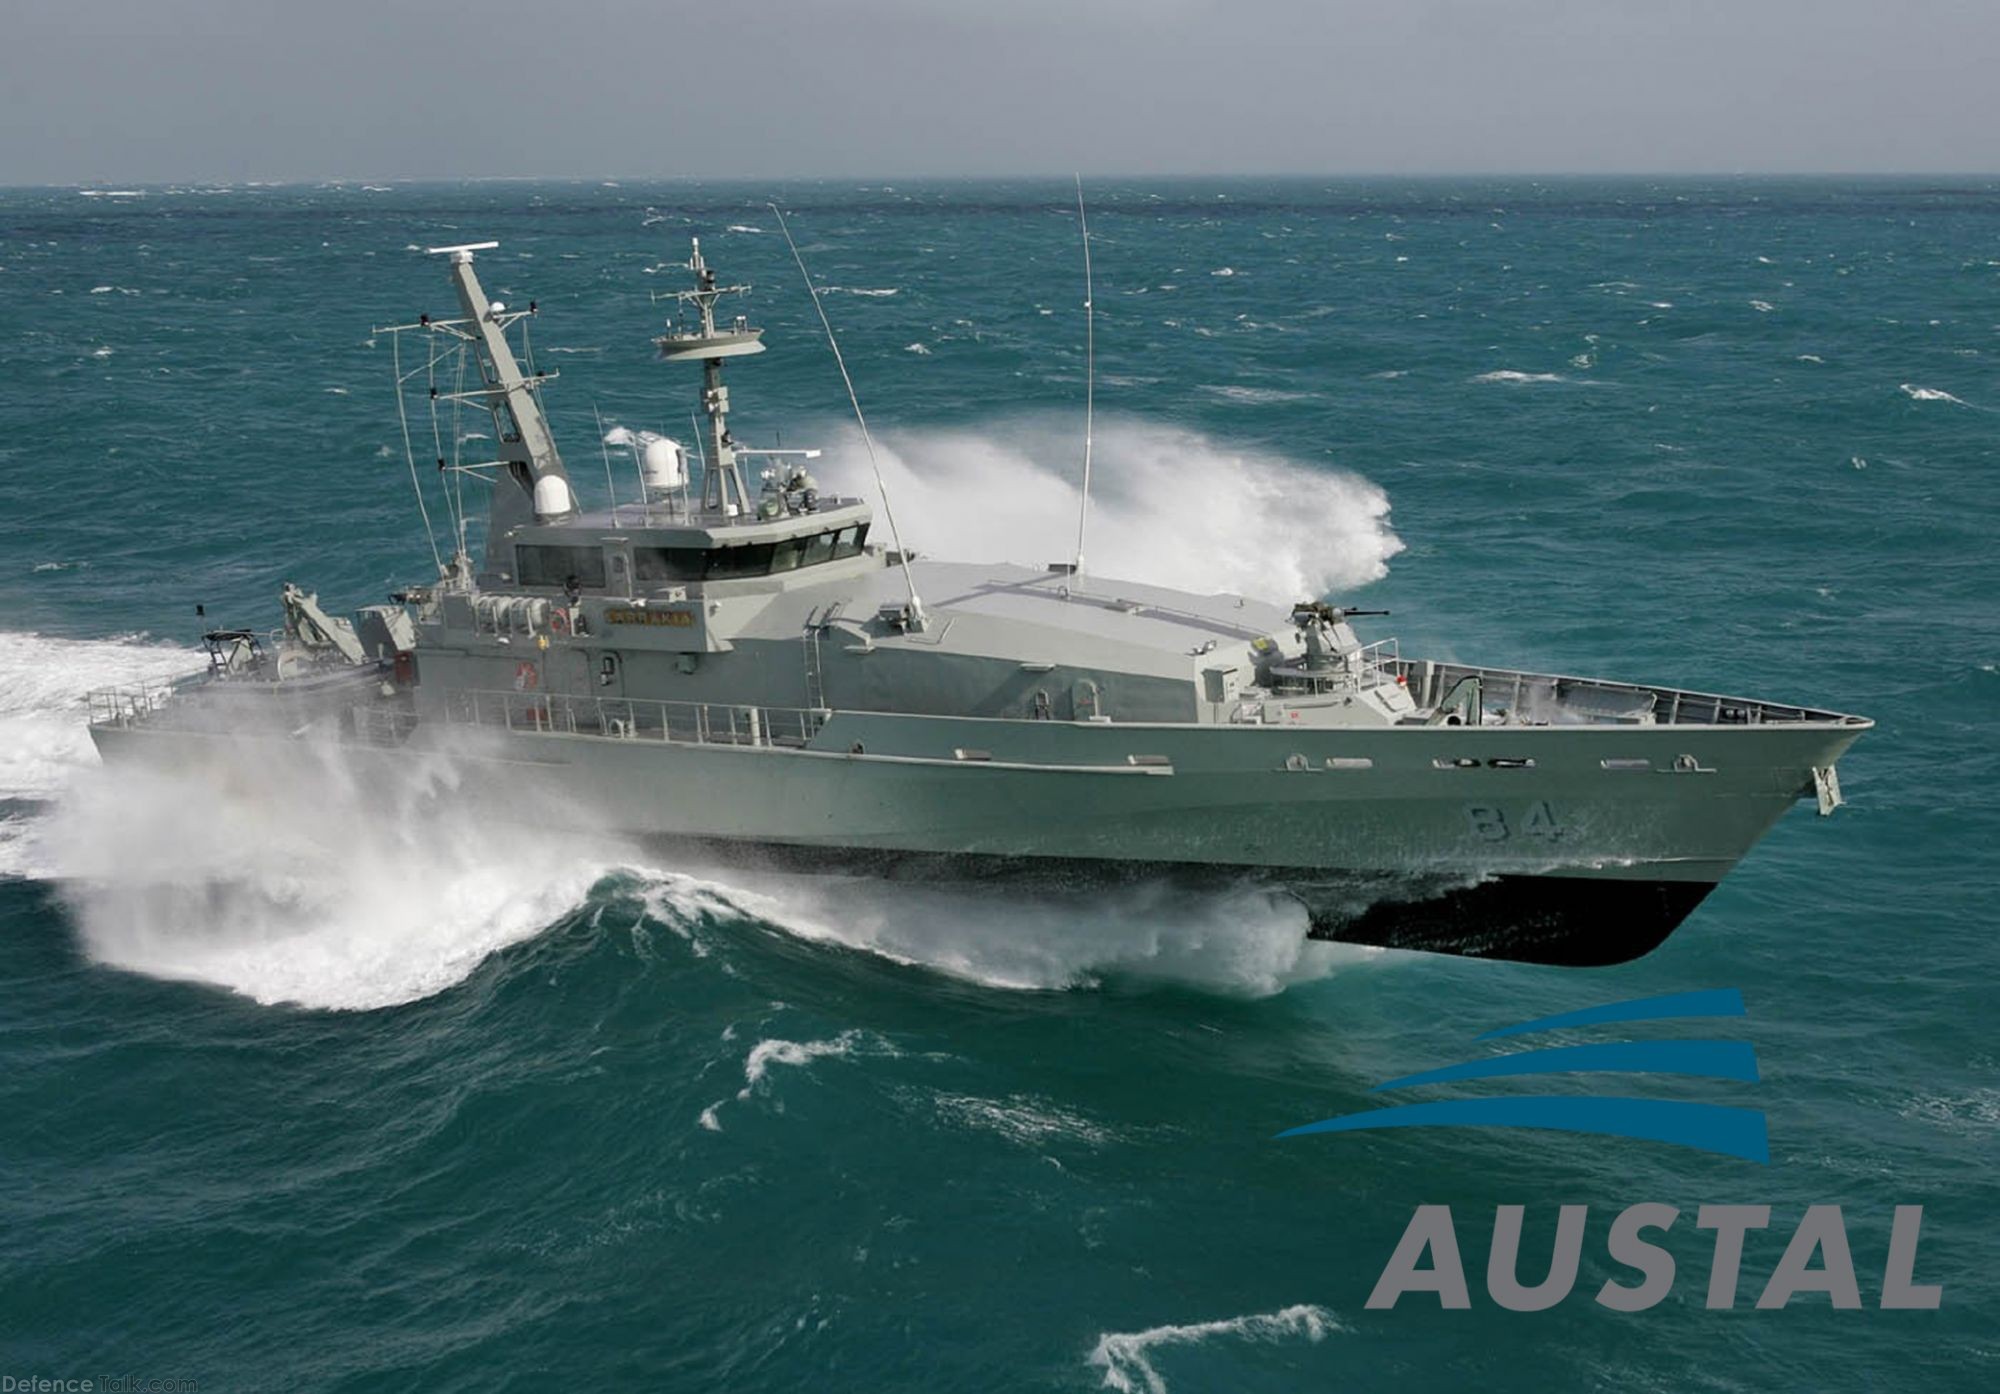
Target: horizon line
1238	176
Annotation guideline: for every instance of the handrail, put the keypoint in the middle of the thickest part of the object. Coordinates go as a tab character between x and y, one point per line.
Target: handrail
1513	689
635	718
128	704
1360	669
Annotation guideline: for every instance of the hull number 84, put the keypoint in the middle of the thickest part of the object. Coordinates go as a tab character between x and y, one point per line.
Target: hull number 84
1491	823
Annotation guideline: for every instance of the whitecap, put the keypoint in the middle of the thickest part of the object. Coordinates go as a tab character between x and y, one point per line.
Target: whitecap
1929	394
917	348
1976	1111
1021	1119
772	1052
1256	396
1127	1357
1511	376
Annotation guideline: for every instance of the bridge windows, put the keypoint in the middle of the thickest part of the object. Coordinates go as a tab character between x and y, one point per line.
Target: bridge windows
556	566
753	559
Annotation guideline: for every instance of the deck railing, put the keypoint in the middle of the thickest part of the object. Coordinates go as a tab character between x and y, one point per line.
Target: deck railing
635	718
129	704
1511	697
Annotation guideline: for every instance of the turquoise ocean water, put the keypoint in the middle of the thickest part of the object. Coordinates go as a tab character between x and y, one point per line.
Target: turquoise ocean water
287	1102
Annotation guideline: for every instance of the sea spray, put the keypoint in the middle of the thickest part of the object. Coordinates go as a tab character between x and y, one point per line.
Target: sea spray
1233	939
1169	506
291	875
44	733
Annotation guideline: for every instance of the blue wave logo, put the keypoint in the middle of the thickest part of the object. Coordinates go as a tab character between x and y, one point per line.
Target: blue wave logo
1736	1132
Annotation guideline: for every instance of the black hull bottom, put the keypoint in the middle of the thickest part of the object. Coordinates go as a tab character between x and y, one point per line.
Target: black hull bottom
1568	921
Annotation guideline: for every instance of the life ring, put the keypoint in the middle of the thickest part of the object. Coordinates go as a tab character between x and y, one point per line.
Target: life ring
526	677
558	621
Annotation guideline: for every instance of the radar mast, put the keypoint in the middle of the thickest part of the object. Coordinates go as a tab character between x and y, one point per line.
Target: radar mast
722	487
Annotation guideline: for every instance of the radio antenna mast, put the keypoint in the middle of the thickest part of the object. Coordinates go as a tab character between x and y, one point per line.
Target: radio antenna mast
867	441
1089	383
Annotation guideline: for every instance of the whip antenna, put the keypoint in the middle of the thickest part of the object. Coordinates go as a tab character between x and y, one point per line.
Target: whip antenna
604	449
1089	382
888	513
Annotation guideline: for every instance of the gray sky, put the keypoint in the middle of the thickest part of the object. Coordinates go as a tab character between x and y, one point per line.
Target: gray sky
155	90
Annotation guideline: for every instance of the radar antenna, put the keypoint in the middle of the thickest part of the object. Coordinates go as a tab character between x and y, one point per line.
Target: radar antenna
881	487
1089	384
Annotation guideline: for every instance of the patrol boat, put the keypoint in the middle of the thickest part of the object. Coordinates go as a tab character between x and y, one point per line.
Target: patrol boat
749	666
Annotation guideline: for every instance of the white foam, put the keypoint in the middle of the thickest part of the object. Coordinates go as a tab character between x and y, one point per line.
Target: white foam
1513	376
318	892
1021	1119
1243	941
918	348
1242	521
1929	394
1255	396
1127	1357
299	882
44	735
1976	1111
774	1052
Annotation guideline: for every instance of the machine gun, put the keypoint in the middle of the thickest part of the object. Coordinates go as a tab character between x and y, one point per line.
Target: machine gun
1317	612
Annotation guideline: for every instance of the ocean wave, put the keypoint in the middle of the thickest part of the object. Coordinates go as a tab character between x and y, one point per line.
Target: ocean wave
1513	376
1977	1111
1930	394
772	1052
296	884
44	731
1020	1118
1255	396
301	879
1127	1357
1245	940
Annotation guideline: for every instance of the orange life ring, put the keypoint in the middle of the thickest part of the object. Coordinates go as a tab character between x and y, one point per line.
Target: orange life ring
559	621
526	677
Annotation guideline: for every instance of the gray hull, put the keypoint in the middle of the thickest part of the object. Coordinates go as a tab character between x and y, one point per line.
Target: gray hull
1582	845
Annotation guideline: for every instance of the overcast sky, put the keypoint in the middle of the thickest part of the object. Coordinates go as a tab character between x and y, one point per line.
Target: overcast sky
158	90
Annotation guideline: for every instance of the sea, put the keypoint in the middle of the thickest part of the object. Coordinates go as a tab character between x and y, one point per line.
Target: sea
295	1095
